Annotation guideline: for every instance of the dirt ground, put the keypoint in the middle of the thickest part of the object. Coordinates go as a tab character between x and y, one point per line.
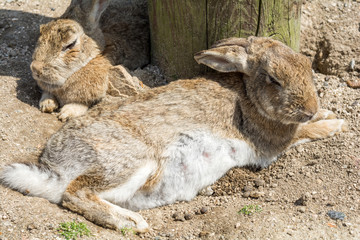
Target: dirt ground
295	193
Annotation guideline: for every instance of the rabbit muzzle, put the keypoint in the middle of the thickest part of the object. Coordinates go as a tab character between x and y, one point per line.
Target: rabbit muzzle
36	69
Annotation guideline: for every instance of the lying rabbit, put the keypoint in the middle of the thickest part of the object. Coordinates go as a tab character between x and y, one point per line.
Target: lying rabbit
166	144
73	68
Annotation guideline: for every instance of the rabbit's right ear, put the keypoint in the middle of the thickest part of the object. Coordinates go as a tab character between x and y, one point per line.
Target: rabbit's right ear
225	58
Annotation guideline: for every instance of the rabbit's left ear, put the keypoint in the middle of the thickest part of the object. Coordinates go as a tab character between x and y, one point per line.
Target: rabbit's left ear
96	9
225	58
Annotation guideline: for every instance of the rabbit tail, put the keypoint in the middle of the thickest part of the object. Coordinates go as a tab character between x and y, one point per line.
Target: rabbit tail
34	180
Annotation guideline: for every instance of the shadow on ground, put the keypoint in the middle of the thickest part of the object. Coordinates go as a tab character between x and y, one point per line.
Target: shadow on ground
19	32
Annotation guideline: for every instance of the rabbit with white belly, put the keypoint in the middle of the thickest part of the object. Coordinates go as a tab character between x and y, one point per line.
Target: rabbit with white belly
72	61
166	144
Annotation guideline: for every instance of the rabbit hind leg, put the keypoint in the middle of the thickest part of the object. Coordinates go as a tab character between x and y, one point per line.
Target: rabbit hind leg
81	199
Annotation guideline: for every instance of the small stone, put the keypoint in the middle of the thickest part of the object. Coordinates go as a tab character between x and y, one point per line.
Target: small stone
299	149
248	188
256	194
336	215
203	210
12	53
246	194
302	209
208	191
302	201
31	227
347	224
178	217
291	174
237	225
50	226
204	234
259	182
352	64
187	216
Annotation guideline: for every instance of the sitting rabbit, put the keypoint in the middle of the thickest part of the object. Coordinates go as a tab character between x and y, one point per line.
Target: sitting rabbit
72	66
168	143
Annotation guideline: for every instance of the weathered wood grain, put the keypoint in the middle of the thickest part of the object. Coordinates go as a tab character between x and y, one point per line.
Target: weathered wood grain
181	28
178	30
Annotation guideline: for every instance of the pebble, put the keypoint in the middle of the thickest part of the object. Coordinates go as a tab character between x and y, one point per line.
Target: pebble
31	227
203	210
256	194
204	234
352	64
299	149
347	224
259	182
246	194
302	209
248	188
178	217
291	174
336	215
187	216
208	191
302	201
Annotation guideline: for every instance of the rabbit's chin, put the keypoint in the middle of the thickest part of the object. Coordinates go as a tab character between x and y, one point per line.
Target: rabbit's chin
51	85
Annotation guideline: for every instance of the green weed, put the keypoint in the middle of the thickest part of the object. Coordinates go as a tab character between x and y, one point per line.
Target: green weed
250	209
126	230
73	230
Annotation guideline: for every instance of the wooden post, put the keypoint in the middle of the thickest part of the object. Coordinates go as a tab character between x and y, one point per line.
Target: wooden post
181	28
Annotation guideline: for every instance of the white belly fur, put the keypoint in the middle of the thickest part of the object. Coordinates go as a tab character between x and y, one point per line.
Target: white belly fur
196	160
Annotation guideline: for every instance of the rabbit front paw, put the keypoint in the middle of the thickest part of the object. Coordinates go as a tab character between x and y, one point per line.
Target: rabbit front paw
72	110
48	105
323	114
320	129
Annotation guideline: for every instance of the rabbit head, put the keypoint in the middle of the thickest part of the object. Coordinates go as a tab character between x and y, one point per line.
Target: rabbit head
65	46
277	80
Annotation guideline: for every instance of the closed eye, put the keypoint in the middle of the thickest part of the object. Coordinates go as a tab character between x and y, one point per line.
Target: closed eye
70	46
272	80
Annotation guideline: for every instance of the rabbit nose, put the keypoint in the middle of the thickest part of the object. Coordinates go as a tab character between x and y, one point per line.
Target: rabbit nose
36	67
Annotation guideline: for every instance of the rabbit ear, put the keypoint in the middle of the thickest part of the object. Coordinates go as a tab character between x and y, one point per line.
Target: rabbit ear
243	42
96	9
225	57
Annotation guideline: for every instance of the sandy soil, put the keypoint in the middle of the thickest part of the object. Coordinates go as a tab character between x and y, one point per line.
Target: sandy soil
295	194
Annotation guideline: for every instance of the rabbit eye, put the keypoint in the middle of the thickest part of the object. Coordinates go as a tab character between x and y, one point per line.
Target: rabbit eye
270	79
70	46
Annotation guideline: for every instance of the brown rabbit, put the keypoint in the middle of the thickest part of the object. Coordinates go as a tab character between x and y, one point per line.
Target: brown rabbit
167	143
70	67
